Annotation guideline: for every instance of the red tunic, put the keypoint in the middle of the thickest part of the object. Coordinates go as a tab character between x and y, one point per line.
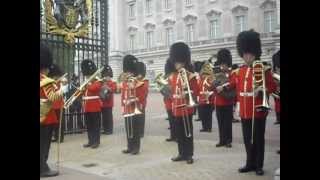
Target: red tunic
204	86
91	99
138	92
51	117
243	85
220	100
108	103
168	103
177	99
58	104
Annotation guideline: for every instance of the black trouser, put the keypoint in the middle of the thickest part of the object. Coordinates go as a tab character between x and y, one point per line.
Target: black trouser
185	144
255	151
134	132
107	119
45	141
56	128
93	126
171	124
278	116
224	117
205	114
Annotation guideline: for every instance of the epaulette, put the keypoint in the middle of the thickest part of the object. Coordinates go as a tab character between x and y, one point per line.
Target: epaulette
267	68
45	81
192	75
235	71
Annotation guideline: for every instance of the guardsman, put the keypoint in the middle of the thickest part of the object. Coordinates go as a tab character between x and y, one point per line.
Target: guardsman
197	67
55	73
48	117
205	107
253	119
165	91
184	88
224	100
236	103
108	89
92	104
142	90
132	101
276	71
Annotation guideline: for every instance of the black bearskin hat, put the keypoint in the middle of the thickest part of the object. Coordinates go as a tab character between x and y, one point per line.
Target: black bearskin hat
180	52
224	57
249	42
169	67
54	70
88	67
129	64
197	66
45	56
276	60
141	69
107	71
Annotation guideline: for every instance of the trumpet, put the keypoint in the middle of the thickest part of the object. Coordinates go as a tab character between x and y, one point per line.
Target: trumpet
79	91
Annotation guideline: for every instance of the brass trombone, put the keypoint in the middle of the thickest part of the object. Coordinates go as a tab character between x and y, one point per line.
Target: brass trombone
78	92
183	78
258	84
130	97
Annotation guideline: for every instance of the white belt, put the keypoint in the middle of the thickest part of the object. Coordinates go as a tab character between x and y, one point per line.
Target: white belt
90	97
177	96
206	92
246	94
44	100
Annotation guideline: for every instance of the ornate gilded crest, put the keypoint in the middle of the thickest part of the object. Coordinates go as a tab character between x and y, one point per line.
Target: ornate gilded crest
70	18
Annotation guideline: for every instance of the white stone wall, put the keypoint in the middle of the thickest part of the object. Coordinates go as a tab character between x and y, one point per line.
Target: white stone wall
120	23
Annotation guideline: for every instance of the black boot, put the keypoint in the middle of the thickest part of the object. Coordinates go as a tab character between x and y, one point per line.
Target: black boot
246	169
49	173
178	158
259	172
189	160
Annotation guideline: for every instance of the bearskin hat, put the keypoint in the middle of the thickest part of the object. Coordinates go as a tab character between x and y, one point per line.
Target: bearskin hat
276	60
141	69
224	57
45	56
107	71
54	70
129	64
180	52
168	67
88	67
249	42
197	66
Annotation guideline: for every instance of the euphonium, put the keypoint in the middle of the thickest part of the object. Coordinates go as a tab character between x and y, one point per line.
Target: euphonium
163	85
259	84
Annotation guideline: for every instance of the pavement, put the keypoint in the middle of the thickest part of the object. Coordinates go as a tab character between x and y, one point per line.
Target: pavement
153	163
